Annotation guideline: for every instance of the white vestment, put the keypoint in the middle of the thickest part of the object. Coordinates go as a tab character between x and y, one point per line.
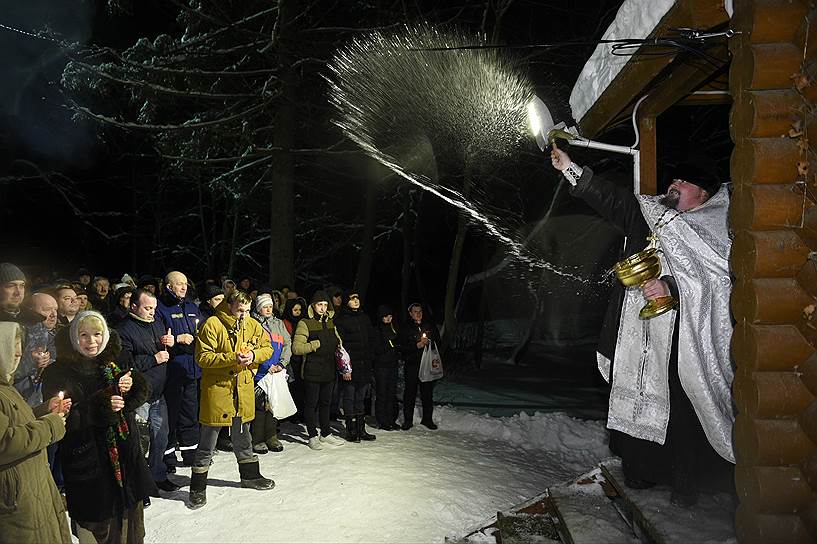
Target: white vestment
695	252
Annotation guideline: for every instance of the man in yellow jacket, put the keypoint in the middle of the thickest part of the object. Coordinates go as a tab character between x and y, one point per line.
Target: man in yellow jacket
229	346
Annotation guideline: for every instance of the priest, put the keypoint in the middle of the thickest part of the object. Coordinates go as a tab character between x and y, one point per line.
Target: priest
670	412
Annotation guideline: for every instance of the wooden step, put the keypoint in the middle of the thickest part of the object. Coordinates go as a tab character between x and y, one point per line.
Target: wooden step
587	512
657	520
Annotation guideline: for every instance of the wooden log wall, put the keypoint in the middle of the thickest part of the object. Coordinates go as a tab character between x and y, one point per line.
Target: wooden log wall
773	81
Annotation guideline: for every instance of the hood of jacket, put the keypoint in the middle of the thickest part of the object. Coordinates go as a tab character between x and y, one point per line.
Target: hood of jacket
9	332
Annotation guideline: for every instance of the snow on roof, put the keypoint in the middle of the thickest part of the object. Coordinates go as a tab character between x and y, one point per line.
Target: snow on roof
635	19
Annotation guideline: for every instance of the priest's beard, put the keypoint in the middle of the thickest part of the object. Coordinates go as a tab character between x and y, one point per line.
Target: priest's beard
671	199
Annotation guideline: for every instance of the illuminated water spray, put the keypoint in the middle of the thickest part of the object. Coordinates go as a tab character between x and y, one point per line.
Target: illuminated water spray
390	90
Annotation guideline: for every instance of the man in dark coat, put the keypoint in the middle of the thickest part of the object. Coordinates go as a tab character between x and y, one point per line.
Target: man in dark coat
413	338
358	337
145	344
660	435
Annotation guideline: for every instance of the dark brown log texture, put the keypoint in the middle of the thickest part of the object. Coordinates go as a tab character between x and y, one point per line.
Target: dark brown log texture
776	395
772	490
765	114
768	254
755	528
768	207
769	347
809	469
770	300
808	373
769	21
808	421
771	442
809	231
808	514
766	66
765	161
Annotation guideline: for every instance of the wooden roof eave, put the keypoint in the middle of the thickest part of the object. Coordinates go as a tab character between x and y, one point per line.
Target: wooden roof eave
641	71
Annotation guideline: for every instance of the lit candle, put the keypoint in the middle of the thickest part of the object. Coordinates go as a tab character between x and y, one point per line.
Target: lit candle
197	326
61	395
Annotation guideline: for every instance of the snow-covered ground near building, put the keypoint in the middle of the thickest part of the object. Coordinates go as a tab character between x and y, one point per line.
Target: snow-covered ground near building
407	486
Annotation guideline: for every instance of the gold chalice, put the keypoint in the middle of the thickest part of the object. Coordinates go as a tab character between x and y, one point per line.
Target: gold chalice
638	270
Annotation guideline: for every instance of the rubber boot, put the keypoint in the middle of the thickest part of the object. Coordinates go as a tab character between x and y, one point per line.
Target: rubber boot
272	434
361	429
198	490
251	477
258	432
351	430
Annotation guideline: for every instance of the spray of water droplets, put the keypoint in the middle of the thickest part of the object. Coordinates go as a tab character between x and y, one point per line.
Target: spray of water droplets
394	95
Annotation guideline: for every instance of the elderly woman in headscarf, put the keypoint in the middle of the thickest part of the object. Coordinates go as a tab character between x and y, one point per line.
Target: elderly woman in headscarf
106	477
31	509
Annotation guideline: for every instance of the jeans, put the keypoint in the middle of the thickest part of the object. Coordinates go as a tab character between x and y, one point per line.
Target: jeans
155	413
241	440
318	396
353	397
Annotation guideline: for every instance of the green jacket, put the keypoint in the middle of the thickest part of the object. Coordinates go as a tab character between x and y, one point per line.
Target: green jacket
31	509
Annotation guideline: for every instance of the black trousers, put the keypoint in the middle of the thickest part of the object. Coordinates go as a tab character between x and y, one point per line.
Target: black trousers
385	407
318	396
410	394
182	396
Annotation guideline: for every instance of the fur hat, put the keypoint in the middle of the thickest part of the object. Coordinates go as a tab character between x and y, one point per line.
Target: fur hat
9	272
261	301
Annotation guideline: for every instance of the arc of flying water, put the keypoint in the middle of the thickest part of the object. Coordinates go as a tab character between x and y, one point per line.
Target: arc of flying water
516	248
483	107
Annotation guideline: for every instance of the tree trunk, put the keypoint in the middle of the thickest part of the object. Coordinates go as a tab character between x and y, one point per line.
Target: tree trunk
364	263
407	228
282	205
450	326
234	237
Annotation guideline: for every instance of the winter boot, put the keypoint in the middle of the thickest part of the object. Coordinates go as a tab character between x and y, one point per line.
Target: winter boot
198	490
361	429
258	432
272	435
351	430
251	477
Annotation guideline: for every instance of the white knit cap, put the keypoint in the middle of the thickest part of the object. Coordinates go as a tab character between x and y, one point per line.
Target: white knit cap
261	301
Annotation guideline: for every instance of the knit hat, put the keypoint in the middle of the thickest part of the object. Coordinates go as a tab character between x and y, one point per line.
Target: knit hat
262	301
319	296
211	291
74	330
384	310
349	293
10	272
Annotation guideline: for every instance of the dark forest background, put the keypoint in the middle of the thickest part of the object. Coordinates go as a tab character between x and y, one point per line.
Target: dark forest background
195	135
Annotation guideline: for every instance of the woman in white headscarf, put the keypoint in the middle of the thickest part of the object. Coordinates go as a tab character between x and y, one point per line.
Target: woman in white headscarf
106	477
31	509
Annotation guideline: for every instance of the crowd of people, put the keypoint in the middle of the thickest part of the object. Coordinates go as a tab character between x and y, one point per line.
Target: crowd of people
107	387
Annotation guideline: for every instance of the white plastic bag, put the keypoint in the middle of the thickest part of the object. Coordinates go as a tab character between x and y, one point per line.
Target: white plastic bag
431	366
279	400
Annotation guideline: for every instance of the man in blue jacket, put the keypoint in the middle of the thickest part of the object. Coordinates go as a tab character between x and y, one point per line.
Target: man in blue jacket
182	317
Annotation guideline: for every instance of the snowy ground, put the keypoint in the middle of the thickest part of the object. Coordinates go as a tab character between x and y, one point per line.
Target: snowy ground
407	486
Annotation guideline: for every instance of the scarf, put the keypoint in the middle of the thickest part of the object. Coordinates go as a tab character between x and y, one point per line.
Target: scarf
115	433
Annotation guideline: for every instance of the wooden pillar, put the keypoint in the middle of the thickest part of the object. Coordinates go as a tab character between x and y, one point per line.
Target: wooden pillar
775	225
